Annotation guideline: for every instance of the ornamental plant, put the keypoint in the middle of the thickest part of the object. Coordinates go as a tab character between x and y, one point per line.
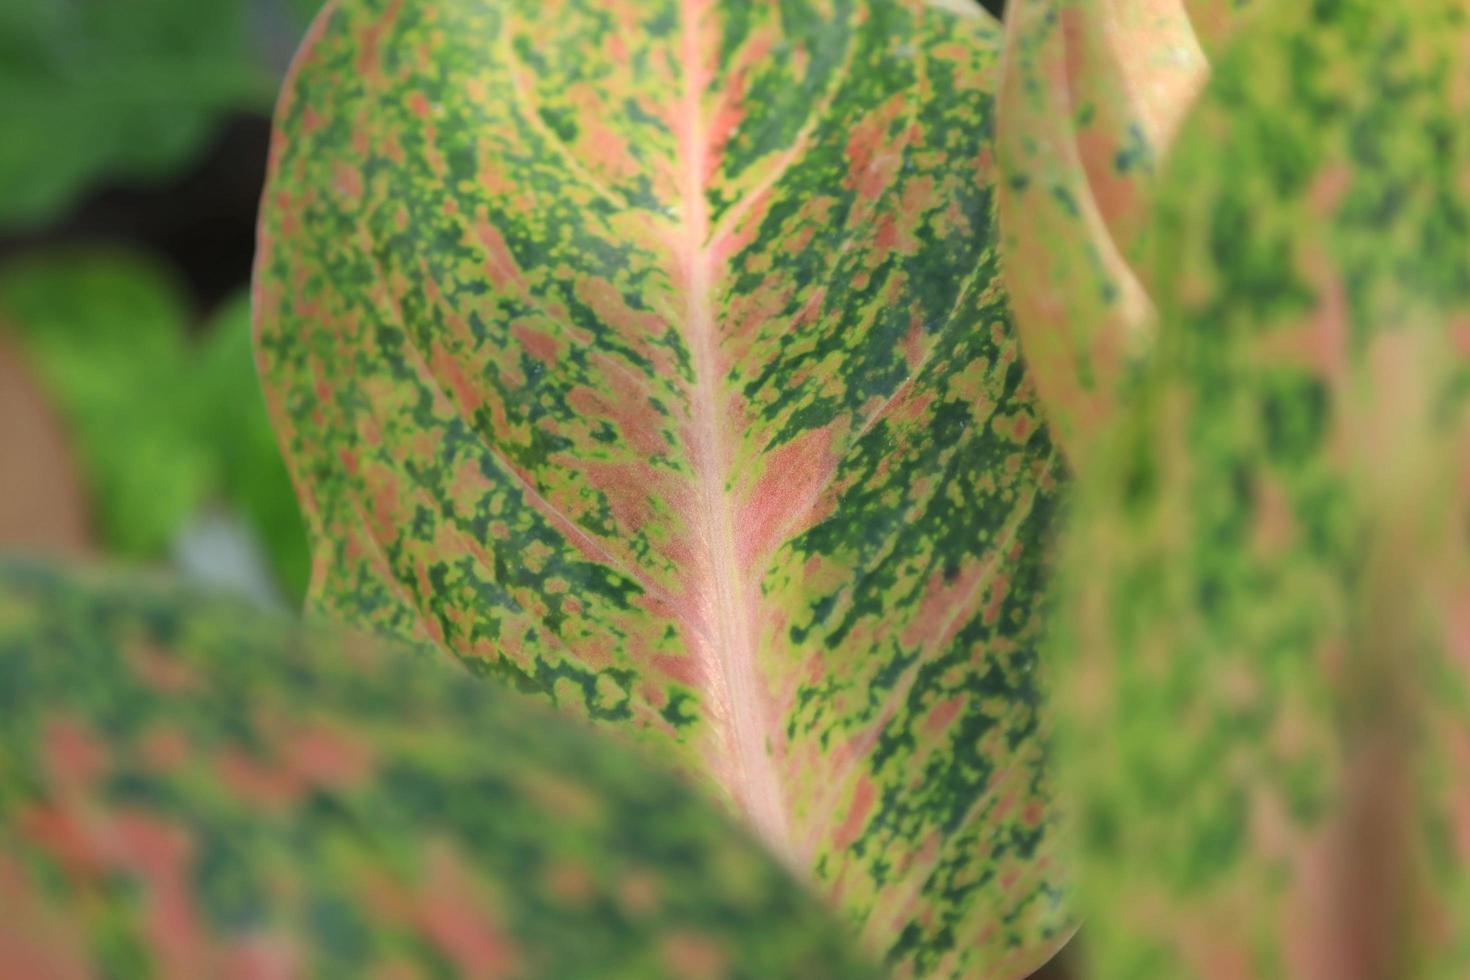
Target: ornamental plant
653	358
1260	649
1015	476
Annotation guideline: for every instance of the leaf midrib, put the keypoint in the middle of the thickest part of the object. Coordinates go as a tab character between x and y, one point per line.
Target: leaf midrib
730	668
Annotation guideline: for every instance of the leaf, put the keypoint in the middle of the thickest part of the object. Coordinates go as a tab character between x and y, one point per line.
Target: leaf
163	427
1092	94
1261	653
652	355
192	792
249	472
103	331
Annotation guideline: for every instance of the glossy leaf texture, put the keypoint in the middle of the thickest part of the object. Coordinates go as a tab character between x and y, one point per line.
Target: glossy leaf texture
1092	94
192	792
1262	651
652	354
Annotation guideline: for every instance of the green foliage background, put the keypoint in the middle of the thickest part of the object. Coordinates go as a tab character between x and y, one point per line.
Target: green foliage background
159	395
131	91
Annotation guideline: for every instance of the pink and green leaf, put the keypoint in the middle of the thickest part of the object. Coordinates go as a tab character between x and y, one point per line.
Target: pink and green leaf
1262	658
189	791
653	355
1092	94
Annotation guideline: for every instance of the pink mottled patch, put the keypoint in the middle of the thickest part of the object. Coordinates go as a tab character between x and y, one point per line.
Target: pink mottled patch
163	671
164	749
75	758
782	498
942	602
694	957
454	917
35	942
995	597
857	814
320	755
1273	527
940	716
607	303
543	348
569	882
682	669
262	958
160	853
347	181
1328	189
631	413
609	150
257	782
370	42
500	265
638	893
625	486
872	160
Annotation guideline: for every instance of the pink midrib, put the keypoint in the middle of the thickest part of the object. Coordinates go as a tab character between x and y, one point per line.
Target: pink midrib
729	656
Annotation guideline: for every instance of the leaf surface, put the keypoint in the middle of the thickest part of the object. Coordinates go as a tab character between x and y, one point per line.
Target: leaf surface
191	791
1264	689
1092	94
652	354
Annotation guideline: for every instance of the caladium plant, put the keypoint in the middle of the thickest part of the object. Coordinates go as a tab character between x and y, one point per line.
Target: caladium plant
652	355
1264	675
190	791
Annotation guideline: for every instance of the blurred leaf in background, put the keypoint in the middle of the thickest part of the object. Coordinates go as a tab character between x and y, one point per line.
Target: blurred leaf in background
104	333
42	506
163	426
126	91
249	472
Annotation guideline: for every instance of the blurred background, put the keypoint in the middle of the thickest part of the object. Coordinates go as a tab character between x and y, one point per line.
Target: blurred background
133	152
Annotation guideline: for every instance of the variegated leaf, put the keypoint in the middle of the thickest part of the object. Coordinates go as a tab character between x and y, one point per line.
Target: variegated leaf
1092	95
187	791
1264	653
652	354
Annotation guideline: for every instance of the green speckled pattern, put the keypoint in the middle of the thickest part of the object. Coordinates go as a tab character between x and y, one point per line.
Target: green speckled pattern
651	355
1264	639
187	792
